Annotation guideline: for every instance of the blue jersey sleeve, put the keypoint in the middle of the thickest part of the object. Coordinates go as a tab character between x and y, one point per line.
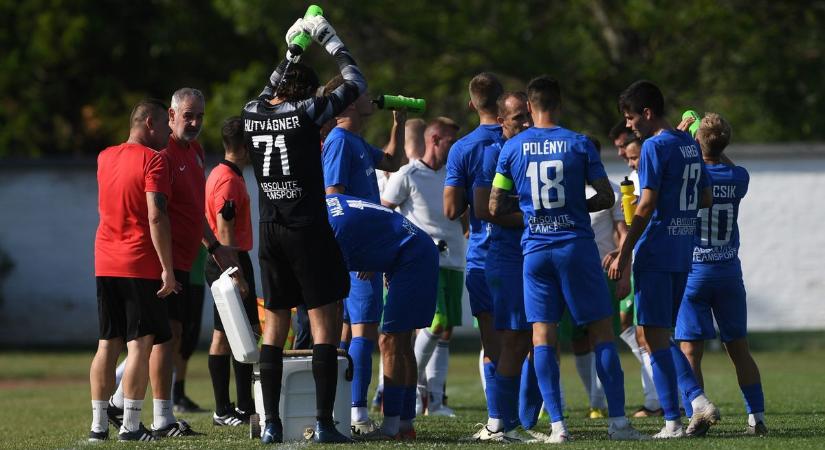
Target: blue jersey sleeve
377	155
455	168
488	166
650	167
504	163
336	159
595	168
743	175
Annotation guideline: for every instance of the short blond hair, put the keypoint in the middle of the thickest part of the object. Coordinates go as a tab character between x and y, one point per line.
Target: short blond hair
714	134
440	123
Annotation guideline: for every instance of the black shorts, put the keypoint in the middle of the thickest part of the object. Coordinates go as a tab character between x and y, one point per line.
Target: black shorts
250	302
129	308
301	265
177	302
194	314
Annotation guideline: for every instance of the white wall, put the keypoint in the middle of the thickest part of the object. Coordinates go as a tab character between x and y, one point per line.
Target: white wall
50	217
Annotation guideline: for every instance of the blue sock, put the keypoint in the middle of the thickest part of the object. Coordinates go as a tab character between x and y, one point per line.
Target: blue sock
610	373
754	398
507	397
529	395
687	405
685	376
394	400
344	345
547	372
360	349
664	377
491	391
408	405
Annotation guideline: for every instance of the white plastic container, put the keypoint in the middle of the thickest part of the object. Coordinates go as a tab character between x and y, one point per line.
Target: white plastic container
297	407
239	333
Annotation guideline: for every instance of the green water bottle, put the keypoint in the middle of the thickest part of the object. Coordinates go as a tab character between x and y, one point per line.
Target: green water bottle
415	105
301	42
695	125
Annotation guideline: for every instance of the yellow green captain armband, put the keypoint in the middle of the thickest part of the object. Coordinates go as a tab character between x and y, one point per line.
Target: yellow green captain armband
502	182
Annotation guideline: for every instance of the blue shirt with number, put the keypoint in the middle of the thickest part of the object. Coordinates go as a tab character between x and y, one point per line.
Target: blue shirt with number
716	241
464	163
549	168
350	161
370	235
670	164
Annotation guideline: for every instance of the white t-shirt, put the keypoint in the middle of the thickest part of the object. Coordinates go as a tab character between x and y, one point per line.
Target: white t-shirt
602	221
634	177
419	193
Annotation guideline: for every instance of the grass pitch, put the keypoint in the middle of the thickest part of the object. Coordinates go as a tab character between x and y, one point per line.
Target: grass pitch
44	403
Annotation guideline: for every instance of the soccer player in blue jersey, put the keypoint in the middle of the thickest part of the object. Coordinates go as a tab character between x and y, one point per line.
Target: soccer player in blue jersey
503	269
375	239
349	167
548	167
674	186
464	165
714	287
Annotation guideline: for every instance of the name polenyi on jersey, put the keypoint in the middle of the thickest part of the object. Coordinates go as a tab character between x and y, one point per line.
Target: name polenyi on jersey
283	123
681	226
550	224
547	147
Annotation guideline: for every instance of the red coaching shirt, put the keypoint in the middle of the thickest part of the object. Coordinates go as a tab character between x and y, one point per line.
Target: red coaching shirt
123	243
226	184
186	205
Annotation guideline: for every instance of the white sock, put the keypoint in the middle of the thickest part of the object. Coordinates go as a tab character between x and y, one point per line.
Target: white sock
359	414
597	397
699	403
651	397
584	367
437	374
481	373
673	425
117	397
629	338
495	425
391	425
558	427
380	387
131	414
121	369
163	415
754	418
617	422
425	343
99	417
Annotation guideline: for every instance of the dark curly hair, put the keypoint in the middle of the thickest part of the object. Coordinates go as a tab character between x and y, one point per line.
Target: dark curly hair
300	82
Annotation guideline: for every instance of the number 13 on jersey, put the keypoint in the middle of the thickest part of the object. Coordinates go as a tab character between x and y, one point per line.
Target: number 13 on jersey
269	142
541	184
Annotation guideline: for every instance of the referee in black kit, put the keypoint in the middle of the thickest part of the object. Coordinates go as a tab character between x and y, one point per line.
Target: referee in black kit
299	257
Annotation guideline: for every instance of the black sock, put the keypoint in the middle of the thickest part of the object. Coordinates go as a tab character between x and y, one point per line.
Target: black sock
177	391
272	370
219	371
325	372
243	386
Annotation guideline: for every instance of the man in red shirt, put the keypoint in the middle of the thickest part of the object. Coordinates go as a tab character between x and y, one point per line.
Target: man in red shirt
133	266
228	214
189	231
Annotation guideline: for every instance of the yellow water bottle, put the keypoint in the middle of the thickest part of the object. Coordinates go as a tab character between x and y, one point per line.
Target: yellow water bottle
628	200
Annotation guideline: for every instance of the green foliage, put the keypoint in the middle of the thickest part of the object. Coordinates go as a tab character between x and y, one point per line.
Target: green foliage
72	69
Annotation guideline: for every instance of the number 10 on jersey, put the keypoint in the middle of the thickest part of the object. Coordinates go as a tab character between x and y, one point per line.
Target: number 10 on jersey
269	142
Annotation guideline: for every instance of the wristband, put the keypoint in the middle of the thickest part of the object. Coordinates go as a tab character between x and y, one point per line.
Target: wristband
213	246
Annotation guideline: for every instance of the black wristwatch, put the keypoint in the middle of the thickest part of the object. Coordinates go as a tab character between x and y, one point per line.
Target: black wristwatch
213	246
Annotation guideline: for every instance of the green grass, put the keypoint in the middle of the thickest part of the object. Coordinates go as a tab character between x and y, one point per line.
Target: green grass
45	404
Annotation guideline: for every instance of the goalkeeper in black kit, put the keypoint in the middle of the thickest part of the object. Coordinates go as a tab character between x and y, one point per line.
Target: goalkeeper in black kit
299	257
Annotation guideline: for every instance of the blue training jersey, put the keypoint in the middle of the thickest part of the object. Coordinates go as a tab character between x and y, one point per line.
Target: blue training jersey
504	242
370	235
350	161
716	241
549	168
464	164
670	164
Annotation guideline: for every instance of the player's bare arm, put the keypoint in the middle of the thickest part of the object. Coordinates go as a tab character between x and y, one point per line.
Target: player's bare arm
394	151
644	211
335	189
481	204
604	197
161	232
707	198
225	256
455	202
502	202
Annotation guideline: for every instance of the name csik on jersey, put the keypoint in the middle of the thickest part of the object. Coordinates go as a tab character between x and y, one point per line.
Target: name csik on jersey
283	123
720	191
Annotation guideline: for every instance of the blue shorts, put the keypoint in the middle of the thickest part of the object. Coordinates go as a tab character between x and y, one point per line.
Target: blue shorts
704	300
413	288
365	302
567	274
658	295
480	299
504	279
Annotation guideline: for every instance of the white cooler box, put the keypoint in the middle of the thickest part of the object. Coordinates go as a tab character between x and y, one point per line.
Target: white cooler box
239	333
297	408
